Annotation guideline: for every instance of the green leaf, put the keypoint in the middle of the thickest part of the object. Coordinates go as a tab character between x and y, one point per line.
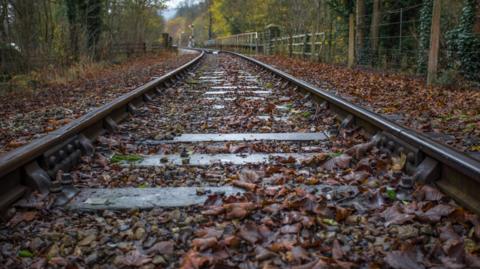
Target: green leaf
306	114
334	154
117	158
25	254
391	193
143	186
330	222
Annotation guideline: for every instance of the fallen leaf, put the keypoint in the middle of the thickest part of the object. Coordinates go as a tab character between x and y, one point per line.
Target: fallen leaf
163	248
249	232
204	243
392	215
244	185
22	216
194	260
298	254
435	213
337	252
339	162
133	258
402	260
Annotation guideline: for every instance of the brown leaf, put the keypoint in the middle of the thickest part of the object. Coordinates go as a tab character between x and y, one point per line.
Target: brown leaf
270	108
337	251
22	216
316	159
298	254
204	243
358	151
436	213
249	232
317	264
194	260
87	240
238	210
58	261
262	253
342	213
231	241
357	176
133	258
392	215
237	213
214	211
291	229
209	232
399	162
244	185
236	148
163	248
248	175
341	162
428	193
402	260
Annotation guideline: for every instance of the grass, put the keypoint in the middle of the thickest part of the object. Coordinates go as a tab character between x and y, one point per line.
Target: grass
85	68
131	158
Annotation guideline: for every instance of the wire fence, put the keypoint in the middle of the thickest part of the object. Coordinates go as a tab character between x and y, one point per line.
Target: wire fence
399	42
396	44
14	62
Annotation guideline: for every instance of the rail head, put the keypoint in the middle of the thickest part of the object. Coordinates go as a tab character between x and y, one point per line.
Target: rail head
18	157
453	172
445	154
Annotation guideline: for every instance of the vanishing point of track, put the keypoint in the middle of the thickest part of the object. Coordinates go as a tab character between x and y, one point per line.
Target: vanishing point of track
201	146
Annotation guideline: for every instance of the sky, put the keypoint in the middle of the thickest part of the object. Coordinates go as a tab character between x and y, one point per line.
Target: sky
173	3
171	9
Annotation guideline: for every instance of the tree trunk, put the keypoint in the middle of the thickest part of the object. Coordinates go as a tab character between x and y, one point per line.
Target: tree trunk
375	28
360	26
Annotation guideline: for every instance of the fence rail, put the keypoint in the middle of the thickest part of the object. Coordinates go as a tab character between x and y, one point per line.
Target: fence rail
400	43
14	61
308	45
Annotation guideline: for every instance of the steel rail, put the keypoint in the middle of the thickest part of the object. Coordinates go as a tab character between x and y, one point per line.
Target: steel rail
11	163
459	173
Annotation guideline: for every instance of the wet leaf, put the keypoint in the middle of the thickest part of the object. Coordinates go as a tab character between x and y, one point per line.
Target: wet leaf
244	185
337	252
87	240
436	213
262	253
163	248
202	244
298	254
249	232
393	215
402	260
428	193
25	254
22	216
133	258
194	260
391	194
340	162
399	162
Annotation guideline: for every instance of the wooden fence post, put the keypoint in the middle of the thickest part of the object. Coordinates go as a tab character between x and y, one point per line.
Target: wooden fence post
351	40
434	43
304	47
290	45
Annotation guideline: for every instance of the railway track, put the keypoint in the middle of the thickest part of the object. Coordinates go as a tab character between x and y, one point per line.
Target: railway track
229	163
